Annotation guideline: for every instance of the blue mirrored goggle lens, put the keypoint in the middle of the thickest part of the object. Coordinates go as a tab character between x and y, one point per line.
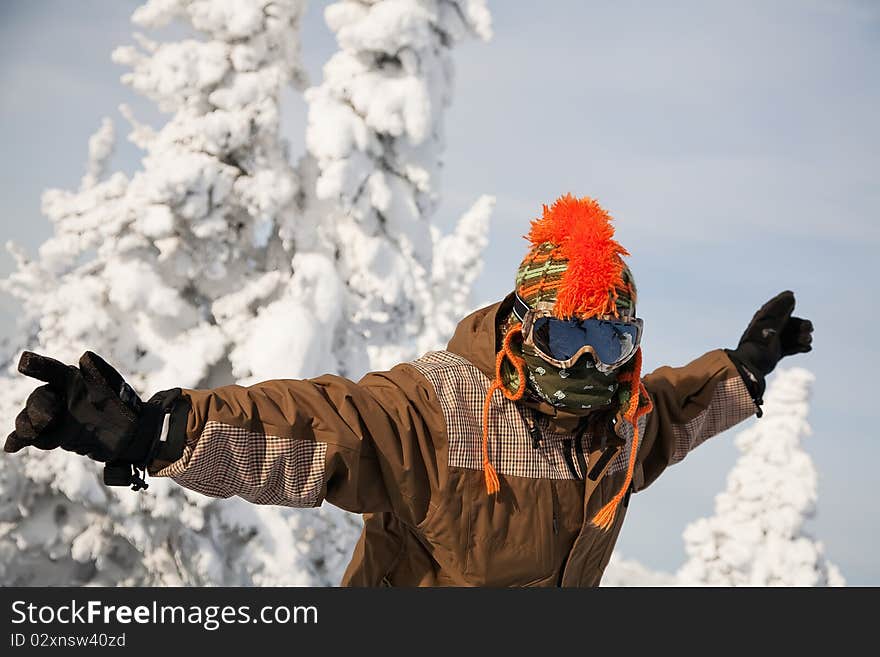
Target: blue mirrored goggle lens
562	339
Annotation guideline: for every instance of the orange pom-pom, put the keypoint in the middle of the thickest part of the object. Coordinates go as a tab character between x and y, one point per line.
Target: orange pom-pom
583	235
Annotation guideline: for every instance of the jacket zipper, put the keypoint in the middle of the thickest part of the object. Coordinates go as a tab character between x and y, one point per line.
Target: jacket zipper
568	460
535	433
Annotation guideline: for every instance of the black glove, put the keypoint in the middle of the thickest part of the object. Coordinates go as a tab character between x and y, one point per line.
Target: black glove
772	334
92	411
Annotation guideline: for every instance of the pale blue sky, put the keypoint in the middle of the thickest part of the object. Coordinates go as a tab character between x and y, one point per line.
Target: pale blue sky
735	142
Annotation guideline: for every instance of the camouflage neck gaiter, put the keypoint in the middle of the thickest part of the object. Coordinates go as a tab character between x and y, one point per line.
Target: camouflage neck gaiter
579	389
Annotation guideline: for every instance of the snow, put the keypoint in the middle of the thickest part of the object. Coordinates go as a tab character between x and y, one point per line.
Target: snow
294	326
457	263
375	135
220	261
156	221
628	572
100	150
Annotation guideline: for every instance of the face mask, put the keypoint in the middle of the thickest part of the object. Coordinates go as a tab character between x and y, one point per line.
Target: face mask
579	389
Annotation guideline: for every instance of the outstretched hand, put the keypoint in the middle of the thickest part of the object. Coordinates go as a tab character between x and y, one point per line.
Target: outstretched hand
89	410
773	334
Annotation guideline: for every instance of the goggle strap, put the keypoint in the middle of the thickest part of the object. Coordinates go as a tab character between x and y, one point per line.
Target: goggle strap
520	307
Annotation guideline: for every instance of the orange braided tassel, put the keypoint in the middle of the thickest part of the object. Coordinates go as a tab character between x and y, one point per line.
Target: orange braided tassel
605	516
493	485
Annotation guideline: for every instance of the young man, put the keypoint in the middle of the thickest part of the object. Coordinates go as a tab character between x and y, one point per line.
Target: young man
506	460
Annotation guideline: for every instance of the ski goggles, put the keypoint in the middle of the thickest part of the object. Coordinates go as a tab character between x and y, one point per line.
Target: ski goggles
611	341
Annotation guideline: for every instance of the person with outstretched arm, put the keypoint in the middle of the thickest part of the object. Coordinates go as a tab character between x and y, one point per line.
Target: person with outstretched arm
507	459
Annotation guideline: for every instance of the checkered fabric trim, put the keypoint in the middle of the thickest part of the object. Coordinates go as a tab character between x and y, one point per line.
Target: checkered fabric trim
731	403
461	389
624	429
263	469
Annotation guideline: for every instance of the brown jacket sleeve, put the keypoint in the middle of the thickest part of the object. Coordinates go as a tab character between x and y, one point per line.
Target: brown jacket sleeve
366	447
691	403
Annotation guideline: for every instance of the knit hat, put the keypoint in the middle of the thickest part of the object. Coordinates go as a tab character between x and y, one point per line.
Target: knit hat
575	264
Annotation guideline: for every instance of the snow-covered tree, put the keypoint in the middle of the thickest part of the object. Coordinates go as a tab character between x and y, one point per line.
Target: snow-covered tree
756	537
375	135
374	145
221	261
629	572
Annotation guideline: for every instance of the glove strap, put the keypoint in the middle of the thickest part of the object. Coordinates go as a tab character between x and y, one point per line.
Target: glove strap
154	439
124	474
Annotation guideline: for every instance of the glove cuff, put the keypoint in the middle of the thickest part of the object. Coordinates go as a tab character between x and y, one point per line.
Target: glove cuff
753	379
160	435
168	444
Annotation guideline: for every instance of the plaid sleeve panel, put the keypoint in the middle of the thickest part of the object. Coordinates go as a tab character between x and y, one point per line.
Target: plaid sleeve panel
731	404
263	469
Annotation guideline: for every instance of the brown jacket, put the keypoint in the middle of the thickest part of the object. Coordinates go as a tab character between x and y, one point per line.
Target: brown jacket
404	448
